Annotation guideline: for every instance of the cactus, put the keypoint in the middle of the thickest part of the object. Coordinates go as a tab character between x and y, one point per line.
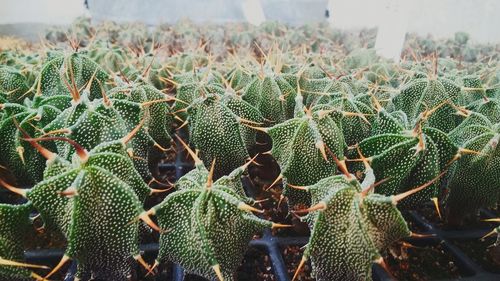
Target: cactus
272	95
74	71
304	147
489	107
18	156
112	58
322	90
92	122
13	85
186	62
217	130
209	223
408	158
74	195
421	94
191	86
158	110
475	178
358	126
159	118
350	226
15	230
239	77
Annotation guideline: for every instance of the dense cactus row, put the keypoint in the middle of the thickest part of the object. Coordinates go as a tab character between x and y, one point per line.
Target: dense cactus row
358	139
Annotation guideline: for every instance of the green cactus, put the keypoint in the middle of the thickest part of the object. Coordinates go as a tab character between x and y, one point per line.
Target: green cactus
358	126
71	73
405	158
112	58
75	195
351	227
472	89
209	223
217	130
304	147
188	61
489	107
272	95
92	122
239	77
15	230
158	110
159	121
13	85
422	94
18	156
474	179
190	86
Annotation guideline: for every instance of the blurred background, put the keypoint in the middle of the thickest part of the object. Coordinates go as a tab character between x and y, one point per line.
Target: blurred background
392	18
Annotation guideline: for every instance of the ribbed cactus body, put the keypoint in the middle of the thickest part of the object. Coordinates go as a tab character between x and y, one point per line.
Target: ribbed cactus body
23	161
351	230
207	225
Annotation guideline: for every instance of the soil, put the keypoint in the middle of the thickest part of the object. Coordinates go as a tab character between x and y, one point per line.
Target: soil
275	207
256	266
292	256
163	272
426	262
483	252
473	222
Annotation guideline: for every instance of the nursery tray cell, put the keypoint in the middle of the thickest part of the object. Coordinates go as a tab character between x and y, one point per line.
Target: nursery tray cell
481	252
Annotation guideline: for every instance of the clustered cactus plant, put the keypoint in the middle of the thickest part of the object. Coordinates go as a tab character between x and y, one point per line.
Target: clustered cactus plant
358	139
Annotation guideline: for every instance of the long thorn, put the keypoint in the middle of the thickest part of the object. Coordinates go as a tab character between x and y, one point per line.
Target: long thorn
299	268
42	150
299	187
279	225
435	200
193	155
37	277
142	262
367	190
320	206
144	216
151	271
492	220
494	231
12	188
251	161
246	121
132	133
397	198
210	178
419	235
321	146
80	150
264	130
247	208
218	272
69	192
61	263
21	264
280	176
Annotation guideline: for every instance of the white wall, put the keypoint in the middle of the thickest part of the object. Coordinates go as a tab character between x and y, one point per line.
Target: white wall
442	18
40	11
